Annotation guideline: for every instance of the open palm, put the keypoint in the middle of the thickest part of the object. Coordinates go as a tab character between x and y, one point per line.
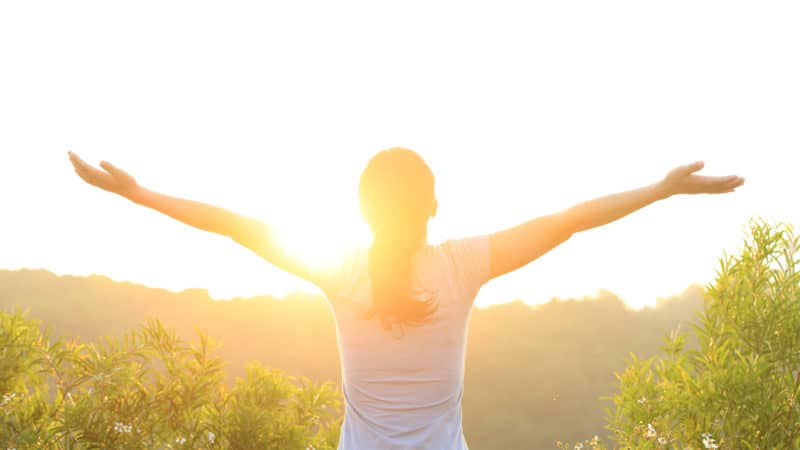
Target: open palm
111	178
682	180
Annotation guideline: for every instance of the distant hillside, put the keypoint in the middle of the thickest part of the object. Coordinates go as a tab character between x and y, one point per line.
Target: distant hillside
534	374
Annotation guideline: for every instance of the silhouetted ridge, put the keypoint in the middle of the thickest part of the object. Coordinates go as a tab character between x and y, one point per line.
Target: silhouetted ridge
534	373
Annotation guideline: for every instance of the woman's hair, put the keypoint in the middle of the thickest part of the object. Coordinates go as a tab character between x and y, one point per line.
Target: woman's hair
397	198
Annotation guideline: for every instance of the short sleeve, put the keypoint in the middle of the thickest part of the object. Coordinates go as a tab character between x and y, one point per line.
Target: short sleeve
337	275
470	261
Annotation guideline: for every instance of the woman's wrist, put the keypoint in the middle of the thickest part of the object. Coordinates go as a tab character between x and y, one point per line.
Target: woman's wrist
663	190
136	194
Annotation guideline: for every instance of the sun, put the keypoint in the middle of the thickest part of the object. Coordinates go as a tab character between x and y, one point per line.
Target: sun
321	244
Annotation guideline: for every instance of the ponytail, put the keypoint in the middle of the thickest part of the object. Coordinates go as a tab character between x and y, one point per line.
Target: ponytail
397	198
391	272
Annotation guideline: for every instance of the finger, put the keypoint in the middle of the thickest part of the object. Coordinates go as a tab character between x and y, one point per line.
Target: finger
88	173
85	174
77	161
108	167
74	156
728	184
113	170
733	181
80	169
693	167
81	165
82	174
87	177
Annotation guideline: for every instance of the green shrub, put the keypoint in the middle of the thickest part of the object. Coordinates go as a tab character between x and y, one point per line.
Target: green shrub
739	387
150	390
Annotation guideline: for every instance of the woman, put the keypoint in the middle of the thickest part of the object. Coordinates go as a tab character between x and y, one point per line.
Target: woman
402	306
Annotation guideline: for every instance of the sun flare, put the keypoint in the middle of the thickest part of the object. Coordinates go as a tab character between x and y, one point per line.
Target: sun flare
321	246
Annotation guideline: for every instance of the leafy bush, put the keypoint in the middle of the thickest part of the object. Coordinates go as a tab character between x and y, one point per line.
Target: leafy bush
149	389
739	387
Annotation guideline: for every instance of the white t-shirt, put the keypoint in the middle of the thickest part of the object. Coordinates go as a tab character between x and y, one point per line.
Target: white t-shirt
403	389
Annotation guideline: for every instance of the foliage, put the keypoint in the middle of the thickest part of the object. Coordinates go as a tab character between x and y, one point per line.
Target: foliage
151	390
740	387
595	443
534	374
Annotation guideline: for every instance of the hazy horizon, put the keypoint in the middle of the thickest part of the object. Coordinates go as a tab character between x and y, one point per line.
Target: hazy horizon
316	292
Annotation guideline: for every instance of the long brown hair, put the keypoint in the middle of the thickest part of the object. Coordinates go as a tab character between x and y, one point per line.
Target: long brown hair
397	197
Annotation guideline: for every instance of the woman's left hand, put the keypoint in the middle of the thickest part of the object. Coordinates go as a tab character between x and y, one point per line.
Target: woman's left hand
682	180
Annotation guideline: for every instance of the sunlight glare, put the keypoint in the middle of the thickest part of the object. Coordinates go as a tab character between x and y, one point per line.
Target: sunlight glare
304	240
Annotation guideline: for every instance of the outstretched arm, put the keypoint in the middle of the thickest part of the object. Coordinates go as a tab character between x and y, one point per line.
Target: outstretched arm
515	247
251	233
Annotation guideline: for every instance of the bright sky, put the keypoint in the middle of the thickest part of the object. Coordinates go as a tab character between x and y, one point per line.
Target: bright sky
273	108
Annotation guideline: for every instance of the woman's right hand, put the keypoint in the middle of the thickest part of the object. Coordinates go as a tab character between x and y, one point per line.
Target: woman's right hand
111	179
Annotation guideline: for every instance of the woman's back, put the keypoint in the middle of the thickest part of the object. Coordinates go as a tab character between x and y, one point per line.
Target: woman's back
403	388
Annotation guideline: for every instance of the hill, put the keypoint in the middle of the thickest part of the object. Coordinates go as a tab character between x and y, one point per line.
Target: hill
534	374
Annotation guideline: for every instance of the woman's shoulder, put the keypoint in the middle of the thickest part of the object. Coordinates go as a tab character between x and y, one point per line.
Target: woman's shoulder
469	246
342	271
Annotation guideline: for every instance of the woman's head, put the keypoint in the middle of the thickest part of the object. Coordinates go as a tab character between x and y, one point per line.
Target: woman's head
397	198
396	190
